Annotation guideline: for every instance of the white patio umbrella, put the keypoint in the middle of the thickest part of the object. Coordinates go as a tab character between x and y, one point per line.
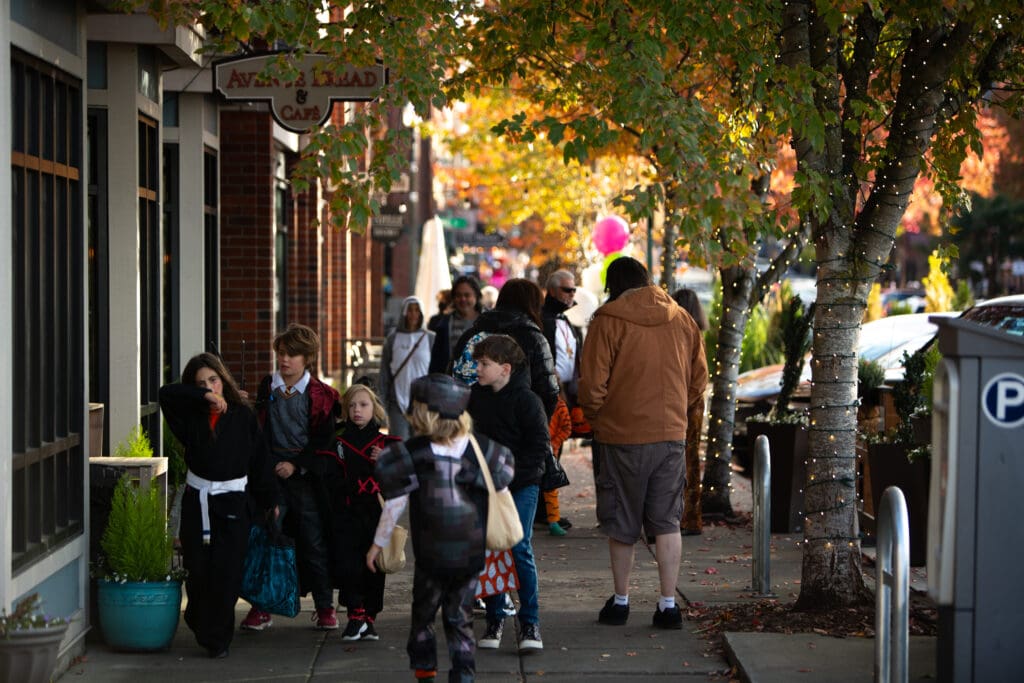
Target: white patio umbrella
432	274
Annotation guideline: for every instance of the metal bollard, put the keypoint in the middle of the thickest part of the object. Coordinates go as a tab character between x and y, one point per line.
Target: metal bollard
892	593
762	571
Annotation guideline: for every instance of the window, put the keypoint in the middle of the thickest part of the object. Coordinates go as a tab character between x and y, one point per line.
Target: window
48	308
280	243
149	76
97	66
99	258
211	238
171	260
150	257
170	109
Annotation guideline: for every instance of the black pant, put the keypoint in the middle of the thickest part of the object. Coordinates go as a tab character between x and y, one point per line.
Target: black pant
311	552
354	528
455	597
214	570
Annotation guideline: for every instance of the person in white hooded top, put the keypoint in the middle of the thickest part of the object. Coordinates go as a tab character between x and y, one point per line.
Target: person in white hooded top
405	358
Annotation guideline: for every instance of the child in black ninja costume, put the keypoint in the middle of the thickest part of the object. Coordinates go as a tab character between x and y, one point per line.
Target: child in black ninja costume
438	473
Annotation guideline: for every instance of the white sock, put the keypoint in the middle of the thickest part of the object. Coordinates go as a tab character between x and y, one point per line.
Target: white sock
621	599
666	603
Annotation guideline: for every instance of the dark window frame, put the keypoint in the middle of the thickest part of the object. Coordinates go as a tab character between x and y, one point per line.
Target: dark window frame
211	243
150	266
48	241
172	262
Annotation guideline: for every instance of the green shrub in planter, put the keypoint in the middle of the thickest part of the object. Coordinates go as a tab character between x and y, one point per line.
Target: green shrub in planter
870	376
795	329
138	592
137	545
135	445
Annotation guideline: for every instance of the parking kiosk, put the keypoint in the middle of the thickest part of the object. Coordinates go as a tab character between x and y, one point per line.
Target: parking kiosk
976	506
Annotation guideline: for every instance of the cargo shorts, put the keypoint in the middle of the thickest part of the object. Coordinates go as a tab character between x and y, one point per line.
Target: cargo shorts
639	488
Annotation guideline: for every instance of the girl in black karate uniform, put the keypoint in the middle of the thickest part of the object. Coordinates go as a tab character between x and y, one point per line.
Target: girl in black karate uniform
355	499
227	459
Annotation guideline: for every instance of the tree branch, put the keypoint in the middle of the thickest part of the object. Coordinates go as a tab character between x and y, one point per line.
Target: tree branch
856	74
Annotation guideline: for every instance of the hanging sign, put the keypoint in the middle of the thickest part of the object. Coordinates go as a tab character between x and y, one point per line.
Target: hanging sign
304	102
387	227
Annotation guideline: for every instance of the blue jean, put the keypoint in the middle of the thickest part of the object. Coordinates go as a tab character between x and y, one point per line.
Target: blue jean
522	552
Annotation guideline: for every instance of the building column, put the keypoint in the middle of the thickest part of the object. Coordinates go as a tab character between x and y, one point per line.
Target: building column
191	237
123	411
6	317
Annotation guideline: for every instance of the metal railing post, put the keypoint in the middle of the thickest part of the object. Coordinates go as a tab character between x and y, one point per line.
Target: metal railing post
892	592
762	572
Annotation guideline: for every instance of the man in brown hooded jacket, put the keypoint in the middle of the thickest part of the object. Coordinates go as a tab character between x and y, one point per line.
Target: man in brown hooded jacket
642	367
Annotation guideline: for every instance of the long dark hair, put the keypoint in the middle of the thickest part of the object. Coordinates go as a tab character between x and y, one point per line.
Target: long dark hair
474	285
208	360
520	294
688	301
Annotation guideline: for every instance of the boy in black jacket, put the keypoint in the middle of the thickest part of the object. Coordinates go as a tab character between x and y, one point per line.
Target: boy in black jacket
506	410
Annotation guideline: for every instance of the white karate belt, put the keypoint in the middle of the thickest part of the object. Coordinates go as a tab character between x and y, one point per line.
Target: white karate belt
209	488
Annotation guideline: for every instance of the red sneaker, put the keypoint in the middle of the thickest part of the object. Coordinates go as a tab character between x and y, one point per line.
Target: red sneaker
325	619
257	620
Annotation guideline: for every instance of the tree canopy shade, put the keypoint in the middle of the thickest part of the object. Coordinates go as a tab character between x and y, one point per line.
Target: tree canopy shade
894	87
870	95
691	88
526	190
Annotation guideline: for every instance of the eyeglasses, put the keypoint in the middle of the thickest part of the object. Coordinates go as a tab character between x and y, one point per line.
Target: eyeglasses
568	290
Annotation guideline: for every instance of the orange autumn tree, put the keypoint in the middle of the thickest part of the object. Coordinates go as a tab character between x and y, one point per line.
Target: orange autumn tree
523	189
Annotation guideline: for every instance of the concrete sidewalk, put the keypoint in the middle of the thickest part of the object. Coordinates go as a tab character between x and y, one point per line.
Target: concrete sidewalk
575	580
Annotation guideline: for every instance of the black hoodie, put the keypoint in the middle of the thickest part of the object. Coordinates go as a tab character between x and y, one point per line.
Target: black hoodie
514	417
540	365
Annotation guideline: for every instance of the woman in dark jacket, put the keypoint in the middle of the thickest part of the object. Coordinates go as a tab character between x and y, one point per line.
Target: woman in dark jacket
466	307
227	457
517	313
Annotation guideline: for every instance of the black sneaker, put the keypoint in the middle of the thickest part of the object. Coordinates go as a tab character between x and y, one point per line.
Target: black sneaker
612	614
369	633
355	629
670	618
492	636
529	638
565	523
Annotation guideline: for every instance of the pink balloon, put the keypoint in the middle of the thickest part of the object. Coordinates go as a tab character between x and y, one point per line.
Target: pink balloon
611	234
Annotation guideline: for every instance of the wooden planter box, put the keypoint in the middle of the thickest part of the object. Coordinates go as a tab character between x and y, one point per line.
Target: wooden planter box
888	466
787	445
96	413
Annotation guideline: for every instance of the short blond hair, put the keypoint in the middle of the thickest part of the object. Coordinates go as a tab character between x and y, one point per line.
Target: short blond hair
427	422
379	414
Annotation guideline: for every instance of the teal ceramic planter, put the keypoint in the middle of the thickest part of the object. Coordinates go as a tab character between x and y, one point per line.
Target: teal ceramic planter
139	617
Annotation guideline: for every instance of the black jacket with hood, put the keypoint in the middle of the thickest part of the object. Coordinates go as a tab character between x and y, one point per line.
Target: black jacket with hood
514	417
540	365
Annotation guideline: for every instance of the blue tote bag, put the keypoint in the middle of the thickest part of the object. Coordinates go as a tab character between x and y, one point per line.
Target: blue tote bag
270	580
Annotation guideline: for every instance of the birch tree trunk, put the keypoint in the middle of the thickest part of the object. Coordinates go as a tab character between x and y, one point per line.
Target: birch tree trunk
737	287
851	247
